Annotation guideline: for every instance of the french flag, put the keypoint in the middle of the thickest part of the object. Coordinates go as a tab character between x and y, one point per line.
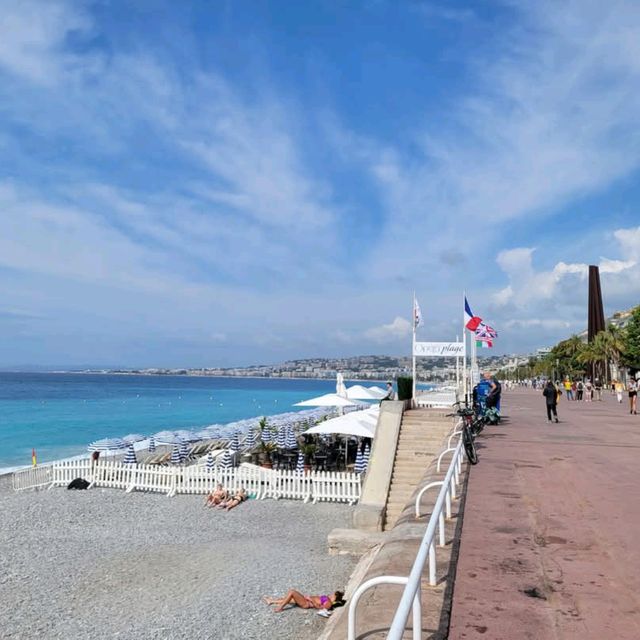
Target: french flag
472	322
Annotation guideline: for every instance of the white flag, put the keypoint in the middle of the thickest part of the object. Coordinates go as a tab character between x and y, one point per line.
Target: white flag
417	314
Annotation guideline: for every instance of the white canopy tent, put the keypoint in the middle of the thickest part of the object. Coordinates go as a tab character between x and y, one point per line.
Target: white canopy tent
358	392
348	425
327	400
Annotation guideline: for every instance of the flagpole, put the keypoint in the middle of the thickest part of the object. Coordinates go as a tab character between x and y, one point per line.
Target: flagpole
464	342
457	368
413	352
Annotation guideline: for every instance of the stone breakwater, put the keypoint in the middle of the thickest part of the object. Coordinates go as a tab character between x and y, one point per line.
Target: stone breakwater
103	564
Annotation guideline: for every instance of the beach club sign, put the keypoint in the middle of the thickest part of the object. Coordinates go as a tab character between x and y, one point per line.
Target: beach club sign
438	349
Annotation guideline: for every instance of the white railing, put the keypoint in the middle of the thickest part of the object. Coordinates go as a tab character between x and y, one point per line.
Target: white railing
319	486
32	478
411	596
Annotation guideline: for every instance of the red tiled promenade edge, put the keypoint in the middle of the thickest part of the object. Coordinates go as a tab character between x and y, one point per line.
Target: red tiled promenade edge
550	543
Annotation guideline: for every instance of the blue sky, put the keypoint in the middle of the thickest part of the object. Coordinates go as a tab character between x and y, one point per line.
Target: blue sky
202	183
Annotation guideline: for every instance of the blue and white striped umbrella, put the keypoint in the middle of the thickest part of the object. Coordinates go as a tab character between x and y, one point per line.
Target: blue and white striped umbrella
250	441
187	436
167	437
184	451
282	439
291	442
225	461
108	444
359	466
210	462
175	454
130	456
235	442
365	458
133	437
300	465
266	435
152	444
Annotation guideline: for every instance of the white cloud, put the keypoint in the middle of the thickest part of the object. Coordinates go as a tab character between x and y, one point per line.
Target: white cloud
396	330
33	36
560	293
535	130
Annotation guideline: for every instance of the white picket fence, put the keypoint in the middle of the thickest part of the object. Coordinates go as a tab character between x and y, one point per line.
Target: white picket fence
325	486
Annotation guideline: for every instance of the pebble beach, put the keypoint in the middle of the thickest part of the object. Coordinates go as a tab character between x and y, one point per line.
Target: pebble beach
103	564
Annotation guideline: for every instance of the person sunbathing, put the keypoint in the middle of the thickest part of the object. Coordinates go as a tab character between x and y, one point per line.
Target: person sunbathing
297	599
240	496
216	497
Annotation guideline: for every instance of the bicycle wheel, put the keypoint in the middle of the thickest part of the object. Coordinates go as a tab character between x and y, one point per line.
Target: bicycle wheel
477	426
469	447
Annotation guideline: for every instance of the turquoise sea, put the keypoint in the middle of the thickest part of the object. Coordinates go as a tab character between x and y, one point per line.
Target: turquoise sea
59	414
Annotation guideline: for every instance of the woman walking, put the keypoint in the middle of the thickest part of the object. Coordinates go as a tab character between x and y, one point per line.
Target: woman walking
633	396
550	394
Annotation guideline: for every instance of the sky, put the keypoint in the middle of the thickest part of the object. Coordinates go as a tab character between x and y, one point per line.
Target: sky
225	183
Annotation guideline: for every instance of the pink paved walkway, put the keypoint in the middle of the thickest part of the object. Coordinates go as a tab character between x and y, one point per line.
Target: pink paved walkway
552	510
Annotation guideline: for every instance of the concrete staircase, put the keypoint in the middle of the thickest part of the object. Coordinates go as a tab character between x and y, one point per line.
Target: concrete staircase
420	439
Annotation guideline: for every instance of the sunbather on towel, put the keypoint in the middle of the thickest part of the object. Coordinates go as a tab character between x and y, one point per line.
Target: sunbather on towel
298	599
216	497
239	497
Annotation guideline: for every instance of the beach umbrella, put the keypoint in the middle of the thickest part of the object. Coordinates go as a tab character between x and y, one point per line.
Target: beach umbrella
341	390
152	444
108	444
300	465
210	462
235	442
167	437
365	458
358	392
327	400
347	425
187	436
175	455
130	456
266	435
184	451
250	440
133	437
281	439
225	462
291	442
359	466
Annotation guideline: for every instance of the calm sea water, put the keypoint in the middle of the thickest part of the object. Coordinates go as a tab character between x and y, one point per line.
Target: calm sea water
59	414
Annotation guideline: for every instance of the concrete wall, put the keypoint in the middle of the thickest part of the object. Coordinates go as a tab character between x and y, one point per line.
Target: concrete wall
369	514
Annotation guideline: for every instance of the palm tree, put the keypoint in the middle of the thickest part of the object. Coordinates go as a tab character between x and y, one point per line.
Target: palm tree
615	344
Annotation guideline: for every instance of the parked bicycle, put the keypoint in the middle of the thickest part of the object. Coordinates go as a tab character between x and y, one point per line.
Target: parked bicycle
471	427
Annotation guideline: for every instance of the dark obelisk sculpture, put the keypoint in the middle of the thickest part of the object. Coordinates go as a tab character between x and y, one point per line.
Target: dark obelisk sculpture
596	315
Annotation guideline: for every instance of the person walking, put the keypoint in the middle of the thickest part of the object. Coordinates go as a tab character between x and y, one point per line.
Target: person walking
619	388
588	391
568	389
633	396
550	394
579	390
598	387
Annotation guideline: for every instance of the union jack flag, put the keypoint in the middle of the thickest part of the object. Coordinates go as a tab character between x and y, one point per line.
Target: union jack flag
485	332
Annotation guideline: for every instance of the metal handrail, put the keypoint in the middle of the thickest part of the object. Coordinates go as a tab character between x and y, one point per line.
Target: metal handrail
374	582
442	455
427	550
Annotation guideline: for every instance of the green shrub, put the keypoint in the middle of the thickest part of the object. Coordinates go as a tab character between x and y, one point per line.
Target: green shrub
405	388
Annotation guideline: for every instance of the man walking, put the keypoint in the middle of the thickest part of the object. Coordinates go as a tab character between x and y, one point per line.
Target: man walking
550	394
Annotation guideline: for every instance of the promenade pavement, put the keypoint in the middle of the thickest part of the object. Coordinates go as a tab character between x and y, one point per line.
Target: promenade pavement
550	545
